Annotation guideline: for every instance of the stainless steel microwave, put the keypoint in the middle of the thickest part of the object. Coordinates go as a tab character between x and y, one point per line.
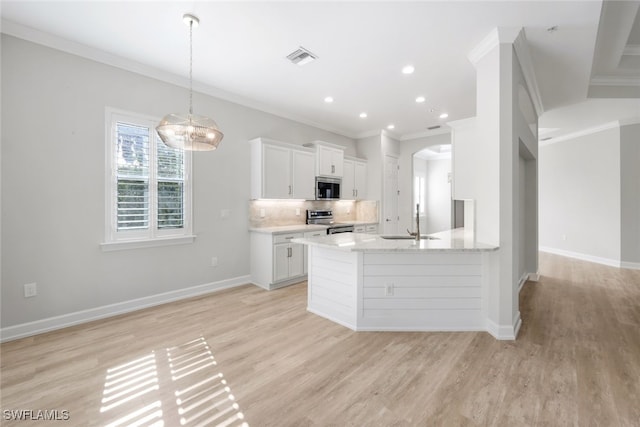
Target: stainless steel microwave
328	188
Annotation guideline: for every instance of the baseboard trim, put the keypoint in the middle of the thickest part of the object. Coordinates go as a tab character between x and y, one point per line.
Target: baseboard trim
630	265
505	332
584	257
522	281
331	318
23	330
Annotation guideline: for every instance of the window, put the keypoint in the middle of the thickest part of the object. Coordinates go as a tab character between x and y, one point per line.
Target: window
148	185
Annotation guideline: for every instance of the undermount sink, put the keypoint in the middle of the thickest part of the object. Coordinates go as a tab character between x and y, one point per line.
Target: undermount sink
407	237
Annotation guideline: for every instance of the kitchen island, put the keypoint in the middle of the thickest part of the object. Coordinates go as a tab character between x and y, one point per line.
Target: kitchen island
369	283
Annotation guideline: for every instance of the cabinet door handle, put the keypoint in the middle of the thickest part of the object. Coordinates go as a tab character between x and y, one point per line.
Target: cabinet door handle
289	189
288	238
289	252
333	168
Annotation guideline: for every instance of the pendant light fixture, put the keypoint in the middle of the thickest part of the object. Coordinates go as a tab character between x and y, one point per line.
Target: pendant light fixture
189	131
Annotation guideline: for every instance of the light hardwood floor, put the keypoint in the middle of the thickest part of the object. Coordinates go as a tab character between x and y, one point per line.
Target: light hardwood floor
248	355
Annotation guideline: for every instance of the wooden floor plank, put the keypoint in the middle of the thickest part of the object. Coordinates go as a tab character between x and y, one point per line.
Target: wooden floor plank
246	355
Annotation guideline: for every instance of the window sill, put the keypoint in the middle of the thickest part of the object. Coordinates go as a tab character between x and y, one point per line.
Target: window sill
147	243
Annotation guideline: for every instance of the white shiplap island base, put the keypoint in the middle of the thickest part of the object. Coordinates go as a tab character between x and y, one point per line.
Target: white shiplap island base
368	283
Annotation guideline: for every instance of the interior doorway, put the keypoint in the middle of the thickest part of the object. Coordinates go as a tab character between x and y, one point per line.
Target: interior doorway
432	191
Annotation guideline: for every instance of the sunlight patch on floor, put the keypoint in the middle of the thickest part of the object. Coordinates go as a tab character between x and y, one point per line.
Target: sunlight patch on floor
133	391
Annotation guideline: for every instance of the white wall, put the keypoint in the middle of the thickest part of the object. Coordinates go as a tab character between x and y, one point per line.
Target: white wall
53	174
419	191
487	176
580	195
438	210
504	134
630	194
589	194
406	208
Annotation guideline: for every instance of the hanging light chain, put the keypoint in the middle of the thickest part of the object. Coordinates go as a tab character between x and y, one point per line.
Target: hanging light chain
191	66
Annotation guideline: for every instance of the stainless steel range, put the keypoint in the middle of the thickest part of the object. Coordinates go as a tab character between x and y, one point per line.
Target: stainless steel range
325	217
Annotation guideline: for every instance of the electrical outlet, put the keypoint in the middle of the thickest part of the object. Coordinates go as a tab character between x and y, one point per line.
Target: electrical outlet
297	211
564	237
30	290
225	213
388	290
262	213
214	261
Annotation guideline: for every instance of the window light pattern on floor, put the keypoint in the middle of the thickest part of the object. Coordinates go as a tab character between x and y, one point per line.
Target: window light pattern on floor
132	394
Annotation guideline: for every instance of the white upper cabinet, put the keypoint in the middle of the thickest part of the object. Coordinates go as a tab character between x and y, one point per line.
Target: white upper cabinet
329	159
303	176
360	178
348	190
281	171
276	172
354	180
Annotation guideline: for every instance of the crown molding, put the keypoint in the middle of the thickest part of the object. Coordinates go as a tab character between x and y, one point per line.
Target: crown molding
629	121
631	49
425	134
582	132
390	134
368	134
521	47
45	39
615	81
495	37
462	123
485	46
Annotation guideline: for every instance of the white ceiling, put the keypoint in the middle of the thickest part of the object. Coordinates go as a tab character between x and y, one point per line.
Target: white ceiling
240	50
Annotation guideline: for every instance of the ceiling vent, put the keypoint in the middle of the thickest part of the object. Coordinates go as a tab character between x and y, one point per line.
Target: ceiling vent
434	127
301	56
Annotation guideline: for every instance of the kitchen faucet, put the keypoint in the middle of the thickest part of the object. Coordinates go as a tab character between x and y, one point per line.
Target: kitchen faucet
417	233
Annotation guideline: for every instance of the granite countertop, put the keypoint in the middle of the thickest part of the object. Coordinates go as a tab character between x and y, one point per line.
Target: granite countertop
451	240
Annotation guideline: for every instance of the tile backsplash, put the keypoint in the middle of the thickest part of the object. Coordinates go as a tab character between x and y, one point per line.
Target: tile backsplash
284	212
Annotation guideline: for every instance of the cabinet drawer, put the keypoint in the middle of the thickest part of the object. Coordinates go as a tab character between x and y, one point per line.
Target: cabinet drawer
286	238
359	229
318	233
372	228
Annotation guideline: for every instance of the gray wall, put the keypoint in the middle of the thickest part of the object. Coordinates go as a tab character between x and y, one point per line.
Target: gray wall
53	179
580	195
630	193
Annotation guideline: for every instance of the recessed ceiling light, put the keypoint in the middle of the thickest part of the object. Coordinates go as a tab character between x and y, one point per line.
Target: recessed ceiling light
328	99
391	126
444	115
363	115
408	69
420	99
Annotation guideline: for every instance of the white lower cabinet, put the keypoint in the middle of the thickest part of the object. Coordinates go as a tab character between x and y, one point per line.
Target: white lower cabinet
372	229
275	261
359	229
288	260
